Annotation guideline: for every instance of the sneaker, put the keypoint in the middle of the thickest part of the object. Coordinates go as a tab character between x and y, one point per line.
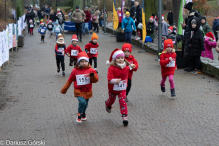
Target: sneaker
80	40
58	70
126	99
63	73
79	118
108	109
189	69
162	88
84	118
125	120
173	94
70	64
43	40
198	71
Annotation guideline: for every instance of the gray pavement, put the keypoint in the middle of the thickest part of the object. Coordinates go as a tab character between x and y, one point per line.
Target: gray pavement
36	110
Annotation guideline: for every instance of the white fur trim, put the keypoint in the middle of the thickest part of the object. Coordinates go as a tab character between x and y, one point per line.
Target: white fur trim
170	30
74	40
85	58
117	53
107	62
163	18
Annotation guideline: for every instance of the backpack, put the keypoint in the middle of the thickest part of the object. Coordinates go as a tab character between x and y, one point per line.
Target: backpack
148	39
93	18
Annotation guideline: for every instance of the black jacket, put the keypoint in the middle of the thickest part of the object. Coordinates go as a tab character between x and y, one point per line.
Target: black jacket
50	27
132	10
28	17
150	27
53	17
138	14
170	17
196	42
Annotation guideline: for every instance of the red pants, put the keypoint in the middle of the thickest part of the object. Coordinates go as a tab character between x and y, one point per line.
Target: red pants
122	101
31	30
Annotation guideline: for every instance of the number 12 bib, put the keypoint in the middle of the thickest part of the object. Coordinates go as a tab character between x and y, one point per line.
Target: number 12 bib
93	50
121	86
83	79
74	52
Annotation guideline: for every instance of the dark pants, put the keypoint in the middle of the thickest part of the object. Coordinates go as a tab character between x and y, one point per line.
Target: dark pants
73	61
128	37
136	24
95	61
42	36
170	23
92	25
82	104
60	59
96	27
78	27
216	35
195	62
128	87
120	24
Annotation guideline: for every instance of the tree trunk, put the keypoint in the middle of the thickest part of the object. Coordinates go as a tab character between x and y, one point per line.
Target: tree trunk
54	5
151	6
176	8
20	8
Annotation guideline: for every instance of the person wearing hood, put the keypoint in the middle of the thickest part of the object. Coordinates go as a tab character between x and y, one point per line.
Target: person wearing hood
215	26
132	9
60	49
196	46
57	28
150	28
79	16
170	17
205	26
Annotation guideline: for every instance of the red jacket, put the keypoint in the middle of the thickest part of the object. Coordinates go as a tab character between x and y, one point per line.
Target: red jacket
115	72
120	16
60	50
91	47
167	67
73	50
82	81
131	59
88	16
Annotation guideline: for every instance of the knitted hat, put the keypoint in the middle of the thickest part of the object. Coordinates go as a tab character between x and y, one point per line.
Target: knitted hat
115	54
94	36
162	17
74	38
170	28
151	18
77	7
60	36
127	47
58	9
188	6
210	35
82	55
193	21
127	13
168	43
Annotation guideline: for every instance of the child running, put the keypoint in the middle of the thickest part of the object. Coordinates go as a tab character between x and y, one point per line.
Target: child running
50	27
117	82
57	28
83	76
60	49
127	49
168	66
91	49
42	31
31	26
73	50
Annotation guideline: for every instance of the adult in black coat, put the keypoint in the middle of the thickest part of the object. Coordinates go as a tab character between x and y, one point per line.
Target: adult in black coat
53	17
215	26
138	16
170	17
132	9
196	45
28	17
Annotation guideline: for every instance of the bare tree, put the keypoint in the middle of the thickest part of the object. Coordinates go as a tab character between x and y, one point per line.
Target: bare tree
176	8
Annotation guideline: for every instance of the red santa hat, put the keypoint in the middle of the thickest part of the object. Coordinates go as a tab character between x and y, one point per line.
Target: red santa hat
127	47
58	13
151	18
115	54
162	17
210	35
168	43
170	28
74	38
41	23
82	55
30	20
50	20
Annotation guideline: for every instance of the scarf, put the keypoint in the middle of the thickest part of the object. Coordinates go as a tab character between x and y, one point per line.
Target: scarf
123	65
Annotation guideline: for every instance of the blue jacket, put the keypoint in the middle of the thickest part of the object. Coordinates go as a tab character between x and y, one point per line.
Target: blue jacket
57	29
130	22
42	30
215	24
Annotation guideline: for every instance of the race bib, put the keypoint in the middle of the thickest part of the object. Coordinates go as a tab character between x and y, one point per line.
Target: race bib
74	52
42	30
83	79
120	14
171	64
57	29
93	50
121	86
50	26
31	25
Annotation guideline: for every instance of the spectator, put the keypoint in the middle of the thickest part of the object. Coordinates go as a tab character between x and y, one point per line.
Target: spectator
205	26
63	16
170	17
100	18
120	16
39	13
86	21
164	27
127	25
79	16
43	8
151	28
69	14
215	26
47	10
28	17
132	9
171	34
95	22
53	17
138	17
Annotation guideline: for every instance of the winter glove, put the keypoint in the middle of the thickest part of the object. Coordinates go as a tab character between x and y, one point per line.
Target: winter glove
91	75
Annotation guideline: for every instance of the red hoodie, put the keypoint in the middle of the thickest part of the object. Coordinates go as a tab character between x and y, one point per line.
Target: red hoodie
131	59
91	47
167	67
88	16
120	16
73	51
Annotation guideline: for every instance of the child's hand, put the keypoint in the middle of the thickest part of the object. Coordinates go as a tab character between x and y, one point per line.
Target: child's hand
133	66
68	54
170	58
211	39
118	81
